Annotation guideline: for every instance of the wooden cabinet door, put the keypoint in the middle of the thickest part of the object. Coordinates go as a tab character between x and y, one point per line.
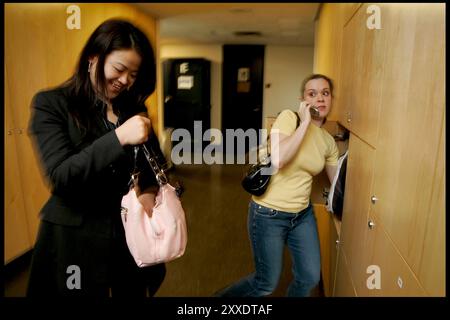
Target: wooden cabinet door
346	96
35	191
408	150
334	250
358	186
29	174
362	70
431	269
343	283
328	230
327	48
349	10
396	279
370	44
17	240
322	217
22	32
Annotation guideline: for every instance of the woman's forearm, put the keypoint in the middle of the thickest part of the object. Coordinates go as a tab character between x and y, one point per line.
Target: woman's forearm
283	148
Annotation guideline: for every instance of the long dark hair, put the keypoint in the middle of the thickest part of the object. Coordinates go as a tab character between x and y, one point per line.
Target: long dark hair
111	35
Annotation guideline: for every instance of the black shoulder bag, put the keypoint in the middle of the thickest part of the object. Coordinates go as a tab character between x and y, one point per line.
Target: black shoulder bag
254	182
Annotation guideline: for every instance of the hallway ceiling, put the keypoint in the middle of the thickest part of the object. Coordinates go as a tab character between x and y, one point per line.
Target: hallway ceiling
217	23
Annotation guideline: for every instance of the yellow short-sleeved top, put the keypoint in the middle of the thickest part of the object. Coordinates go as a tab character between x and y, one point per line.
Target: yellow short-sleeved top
290	188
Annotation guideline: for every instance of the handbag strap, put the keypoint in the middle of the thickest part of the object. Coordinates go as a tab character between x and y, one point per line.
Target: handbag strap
157	170
161	177
296	126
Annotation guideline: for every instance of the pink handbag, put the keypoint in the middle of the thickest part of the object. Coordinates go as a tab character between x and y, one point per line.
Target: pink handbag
161	237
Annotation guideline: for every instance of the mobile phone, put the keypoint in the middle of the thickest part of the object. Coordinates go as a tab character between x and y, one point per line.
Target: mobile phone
314	111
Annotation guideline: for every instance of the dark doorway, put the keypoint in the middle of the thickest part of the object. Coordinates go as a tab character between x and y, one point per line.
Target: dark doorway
187	93
242	87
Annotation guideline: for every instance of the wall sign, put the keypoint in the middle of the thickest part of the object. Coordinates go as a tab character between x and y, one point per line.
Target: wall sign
243	84
185	82
243	74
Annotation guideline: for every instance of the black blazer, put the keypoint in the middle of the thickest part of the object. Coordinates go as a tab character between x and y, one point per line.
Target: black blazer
88	171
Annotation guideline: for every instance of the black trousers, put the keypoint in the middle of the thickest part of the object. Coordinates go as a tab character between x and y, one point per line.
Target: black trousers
70	261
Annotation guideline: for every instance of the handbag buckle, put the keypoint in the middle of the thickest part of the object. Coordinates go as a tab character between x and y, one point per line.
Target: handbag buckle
161	178
133	179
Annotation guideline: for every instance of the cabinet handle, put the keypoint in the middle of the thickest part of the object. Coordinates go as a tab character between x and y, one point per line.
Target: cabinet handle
337	244
349	117
12	131
400	282
371	224
374	199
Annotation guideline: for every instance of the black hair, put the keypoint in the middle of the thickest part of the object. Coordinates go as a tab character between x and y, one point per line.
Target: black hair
111	35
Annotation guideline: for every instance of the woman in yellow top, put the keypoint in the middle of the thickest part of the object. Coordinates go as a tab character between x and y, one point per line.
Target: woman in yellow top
284	214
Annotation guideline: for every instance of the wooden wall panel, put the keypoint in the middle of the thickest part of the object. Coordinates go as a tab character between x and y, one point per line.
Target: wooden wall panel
17	240
355	214
327	50
323	225
392	83
412	110
343	284
350	10
431	269
396	277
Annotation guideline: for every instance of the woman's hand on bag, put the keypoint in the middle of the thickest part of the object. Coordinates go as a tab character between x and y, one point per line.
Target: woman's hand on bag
304	113
134	131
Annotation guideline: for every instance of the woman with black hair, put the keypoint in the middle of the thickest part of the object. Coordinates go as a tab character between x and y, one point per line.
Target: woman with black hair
84	131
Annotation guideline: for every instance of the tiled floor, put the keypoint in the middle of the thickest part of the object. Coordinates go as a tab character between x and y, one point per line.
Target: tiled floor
218	251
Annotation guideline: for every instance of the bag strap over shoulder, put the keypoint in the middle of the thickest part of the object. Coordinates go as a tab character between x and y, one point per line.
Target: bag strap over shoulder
296	126
298	120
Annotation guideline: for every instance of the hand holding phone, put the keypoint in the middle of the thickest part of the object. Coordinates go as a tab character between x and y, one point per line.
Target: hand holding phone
305	115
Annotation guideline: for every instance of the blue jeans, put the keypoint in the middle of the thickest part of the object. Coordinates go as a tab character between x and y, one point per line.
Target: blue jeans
269	231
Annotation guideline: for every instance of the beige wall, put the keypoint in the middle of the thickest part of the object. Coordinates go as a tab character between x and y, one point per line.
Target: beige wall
285	67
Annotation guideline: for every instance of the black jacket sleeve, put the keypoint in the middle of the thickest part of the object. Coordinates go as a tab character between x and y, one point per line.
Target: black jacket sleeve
66	167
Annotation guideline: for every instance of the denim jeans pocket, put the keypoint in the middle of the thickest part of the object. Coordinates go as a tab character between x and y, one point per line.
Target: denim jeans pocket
264	211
